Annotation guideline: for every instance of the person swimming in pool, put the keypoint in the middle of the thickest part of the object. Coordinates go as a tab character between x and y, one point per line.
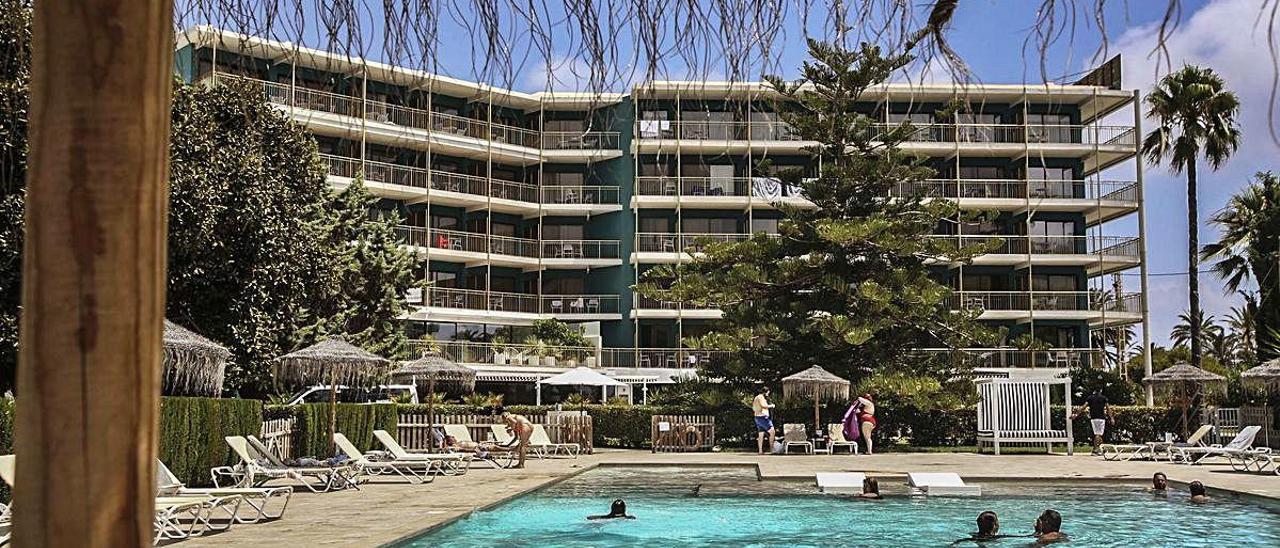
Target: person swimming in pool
1198	493
988	529
1159	483
870	489
617	510
1049	528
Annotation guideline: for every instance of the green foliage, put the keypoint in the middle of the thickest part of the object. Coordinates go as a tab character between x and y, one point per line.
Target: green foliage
553	332
262	257
356	421
15	75
482	401
7	407
1136	424
192	432
1246	251
1118	391
845	285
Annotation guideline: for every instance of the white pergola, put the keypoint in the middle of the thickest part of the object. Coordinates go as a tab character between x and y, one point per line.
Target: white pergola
582	376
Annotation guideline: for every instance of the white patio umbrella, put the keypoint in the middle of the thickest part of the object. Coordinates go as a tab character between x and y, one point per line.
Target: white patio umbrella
581	376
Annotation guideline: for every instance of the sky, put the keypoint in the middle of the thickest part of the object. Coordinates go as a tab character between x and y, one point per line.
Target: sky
990	35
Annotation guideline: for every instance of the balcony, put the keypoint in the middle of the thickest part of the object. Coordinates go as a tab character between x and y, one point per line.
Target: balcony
649	308
390	123
735	193
1100	146
473	249
449	304
1098	254
416	185
1024	306
1007	358
662	247
1098	200
500	355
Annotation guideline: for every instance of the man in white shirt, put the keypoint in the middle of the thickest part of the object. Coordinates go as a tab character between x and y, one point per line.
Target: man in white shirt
760	407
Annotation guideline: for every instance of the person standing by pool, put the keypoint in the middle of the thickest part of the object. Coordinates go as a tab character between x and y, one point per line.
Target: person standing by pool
760	407
521	429
1099	416
1049	528
867	418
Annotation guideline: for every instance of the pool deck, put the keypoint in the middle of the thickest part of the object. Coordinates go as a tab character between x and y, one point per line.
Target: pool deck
384	512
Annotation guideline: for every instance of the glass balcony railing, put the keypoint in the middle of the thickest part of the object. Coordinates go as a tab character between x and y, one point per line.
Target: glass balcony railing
662	242
400	115
1126	191
494	353
650	303
1000	358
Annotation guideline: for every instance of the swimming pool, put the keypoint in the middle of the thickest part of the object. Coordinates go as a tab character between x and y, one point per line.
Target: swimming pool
731	508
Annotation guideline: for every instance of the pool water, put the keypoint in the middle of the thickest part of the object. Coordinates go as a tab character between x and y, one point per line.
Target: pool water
732	508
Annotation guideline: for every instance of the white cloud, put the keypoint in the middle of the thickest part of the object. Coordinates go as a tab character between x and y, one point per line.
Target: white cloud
1221	35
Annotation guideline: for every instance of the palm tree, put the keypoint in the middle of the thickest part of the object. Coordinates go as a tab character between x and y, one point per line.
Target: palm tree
1195	116
1242	323
1185	329
1249	249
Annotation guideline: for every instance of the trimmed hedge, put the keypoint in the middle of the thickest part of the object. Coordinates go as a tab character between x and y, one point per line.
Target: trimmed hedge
356	421
192	432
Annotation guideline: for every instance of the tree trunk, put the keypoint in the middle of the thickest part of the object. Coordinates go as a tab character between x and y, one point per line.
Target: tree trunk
1193	263
93	273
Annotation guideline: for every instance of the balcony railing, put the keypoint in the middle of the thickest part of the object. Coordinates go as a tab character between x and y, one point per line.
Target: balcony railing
699	130
580	140
662	242
458	240
506	301
492	353
1014	357
580	249
1124	246
417	177
650	303
388	113
1023	301
693	186
1019	189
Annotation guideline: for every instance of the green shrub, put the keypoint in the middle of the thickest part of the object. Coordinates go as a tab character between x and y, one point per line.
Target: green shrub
192	432
356	421
1133	424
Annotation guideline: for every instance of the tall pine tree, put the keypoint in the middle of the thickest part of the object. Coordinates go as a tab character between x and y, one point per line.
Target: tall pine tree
845	285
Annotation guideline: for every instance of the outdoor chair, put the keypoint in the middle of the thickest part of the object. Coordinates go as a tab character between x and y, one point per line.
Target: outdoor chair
449	464
258	466
487	452
593	306
836	433
258	498
541	441
795	435
577	306
1240	453
417	471
1152	450
557	306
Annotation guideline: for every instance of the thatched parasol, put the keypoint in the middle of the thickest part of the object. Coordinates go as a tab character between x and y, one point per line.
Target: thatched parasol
433	367
1267	374
1185	381
819	384
332	361
193	365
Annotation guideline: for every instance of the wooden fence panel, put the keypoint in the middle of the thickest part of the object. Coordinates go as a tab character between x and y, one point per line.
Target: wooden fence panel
278	435
1262	416
682	433
413	431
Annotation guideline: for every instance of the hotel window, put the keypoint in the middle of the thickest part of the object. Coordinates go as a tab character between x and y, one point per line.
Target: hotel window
1053	282
1056	337
1050	128
983	282
655	224
766	126
443	279
566	126
1053	237
698	124
710	226
978	228
654	124
767	226
923	122
563	286
979	128
562	232
1052	182
564	179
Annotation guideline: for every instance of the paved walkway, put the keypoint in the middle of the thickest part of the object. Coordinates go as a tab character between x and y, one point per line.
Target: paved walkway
384	512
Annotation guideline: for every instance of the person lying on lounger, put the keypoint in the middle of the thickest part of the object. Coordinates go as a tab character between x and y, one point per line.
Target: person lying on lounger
617	510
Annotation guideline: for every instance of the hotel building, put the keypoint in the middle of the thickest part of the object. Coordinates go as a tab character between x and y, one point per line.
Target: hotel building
552	205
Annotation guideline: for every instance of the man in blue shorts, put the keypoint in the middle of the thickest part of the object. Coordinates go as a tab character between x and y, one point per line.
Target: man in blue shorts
760	407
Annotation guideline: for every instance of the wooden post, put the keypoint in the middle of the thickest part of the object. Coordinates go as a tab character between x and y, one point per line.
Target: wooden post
93	273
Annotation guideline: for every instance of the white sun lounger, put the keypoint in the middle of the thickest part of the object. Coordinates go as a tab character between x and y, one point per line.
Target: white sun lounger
541	442
505	438
258	498
258	466
462	434
449	464
795	435
1239	452
1115	451
941	484
840	483
836	433
415	471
